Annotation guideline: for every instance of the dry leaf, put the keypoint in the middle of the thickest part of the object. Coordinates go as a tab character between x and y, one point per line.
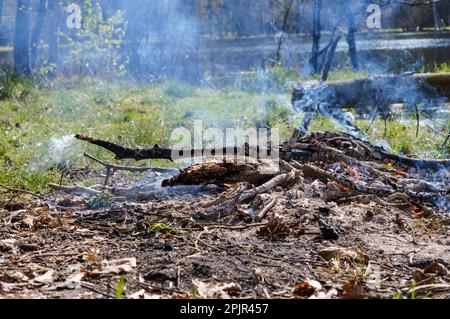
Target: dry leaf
72	282
46	278
15	276
116	267
28	222
353	290
276	229
93	257
330	253
436	268
307	288
214	290
141	294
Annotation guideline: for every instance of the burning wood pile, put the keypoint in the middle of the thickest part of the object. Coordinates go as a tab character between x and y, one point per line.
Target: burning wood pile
334	167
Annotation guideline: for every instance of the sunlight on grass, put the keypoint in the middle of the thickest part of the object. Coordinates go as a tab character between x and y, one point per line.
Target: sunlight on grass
144	115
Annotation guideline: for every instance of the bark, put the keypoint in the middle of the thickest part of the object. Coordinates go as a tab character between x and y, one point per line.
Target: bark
55	20
36	36
22	38
316	36
219	173
287	11
351	39
330	54
2	5
436	17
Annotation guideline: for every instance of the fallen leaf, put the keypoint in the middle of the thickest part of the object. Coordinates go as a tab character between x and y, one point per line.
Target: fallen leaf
436	268
7	287
325	295
93	257
72	282
214	290
276	229
28	222
116	267
46	278
353	290
307	288
15	276
330	253
141	294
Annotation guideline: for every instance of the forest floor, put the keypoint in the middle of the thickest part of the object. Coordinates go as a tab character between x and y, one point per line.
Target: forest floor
167	248
64	246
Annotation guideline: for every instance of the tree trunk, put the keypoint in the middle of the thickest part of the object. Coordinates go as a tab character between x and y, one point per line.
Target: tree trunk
436	17
130	45
36	36
55	17
351	38
316	36
2	5
330	54
371	92
287	10
22	38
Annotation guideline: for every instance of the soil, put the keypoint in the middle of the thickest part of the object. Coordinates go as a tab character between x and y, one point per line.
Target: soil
169	247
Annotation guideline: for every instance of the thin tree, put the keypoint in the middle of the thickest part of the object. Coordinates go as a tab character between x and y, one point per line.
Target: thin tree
2	5
55	12
21	41
317	31
287	9
351	31
36	36
436	17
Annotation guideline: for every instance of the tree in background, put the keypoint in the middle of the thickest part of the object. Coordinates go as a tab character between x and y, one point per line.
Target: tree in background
316	34
36	36
95	48
2	5
55	11
436	16
21	44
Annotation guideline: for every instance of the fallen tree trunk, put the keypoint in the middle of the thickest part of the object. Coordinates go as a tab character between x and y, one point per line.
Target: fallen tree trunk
378	91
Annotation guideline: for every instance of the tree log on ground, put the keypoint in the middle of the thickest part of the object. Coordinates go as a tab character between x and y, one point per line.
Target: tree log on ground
382	90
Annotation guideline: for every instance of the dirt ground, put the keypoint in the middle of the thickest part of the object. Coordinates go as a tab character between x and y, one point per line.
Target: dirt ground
169	248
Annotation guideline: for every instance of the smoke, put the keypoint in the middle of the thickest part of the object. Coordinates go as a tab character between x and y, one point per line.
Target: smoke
60	152
61	149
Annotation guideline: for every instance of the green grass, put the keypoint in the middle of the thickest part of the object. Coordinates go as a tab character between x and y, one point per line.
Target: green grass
142	115
120	288
160	229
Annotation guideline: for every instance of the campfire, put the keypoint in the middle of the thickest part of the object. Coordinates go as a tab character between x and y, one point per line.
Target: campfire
336	167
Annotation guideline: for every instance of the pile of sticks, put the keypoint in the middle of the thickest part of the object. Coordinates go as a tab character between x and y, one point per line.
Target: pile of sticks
347	166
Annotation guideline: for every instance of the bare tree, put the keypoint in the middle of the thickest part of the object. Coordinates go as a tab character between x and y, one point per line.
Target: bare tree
22	38
436	17
2	5
55	12
350	14
287	10
317	31
36	36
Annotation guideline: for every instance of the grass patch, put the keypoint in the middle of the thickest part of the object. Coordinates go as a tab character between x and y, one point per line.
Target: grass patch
160	229
120	288
33	117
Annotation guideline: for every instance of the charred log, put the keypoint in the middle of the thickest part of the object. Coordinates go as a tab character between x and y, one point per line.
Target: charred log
380	91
